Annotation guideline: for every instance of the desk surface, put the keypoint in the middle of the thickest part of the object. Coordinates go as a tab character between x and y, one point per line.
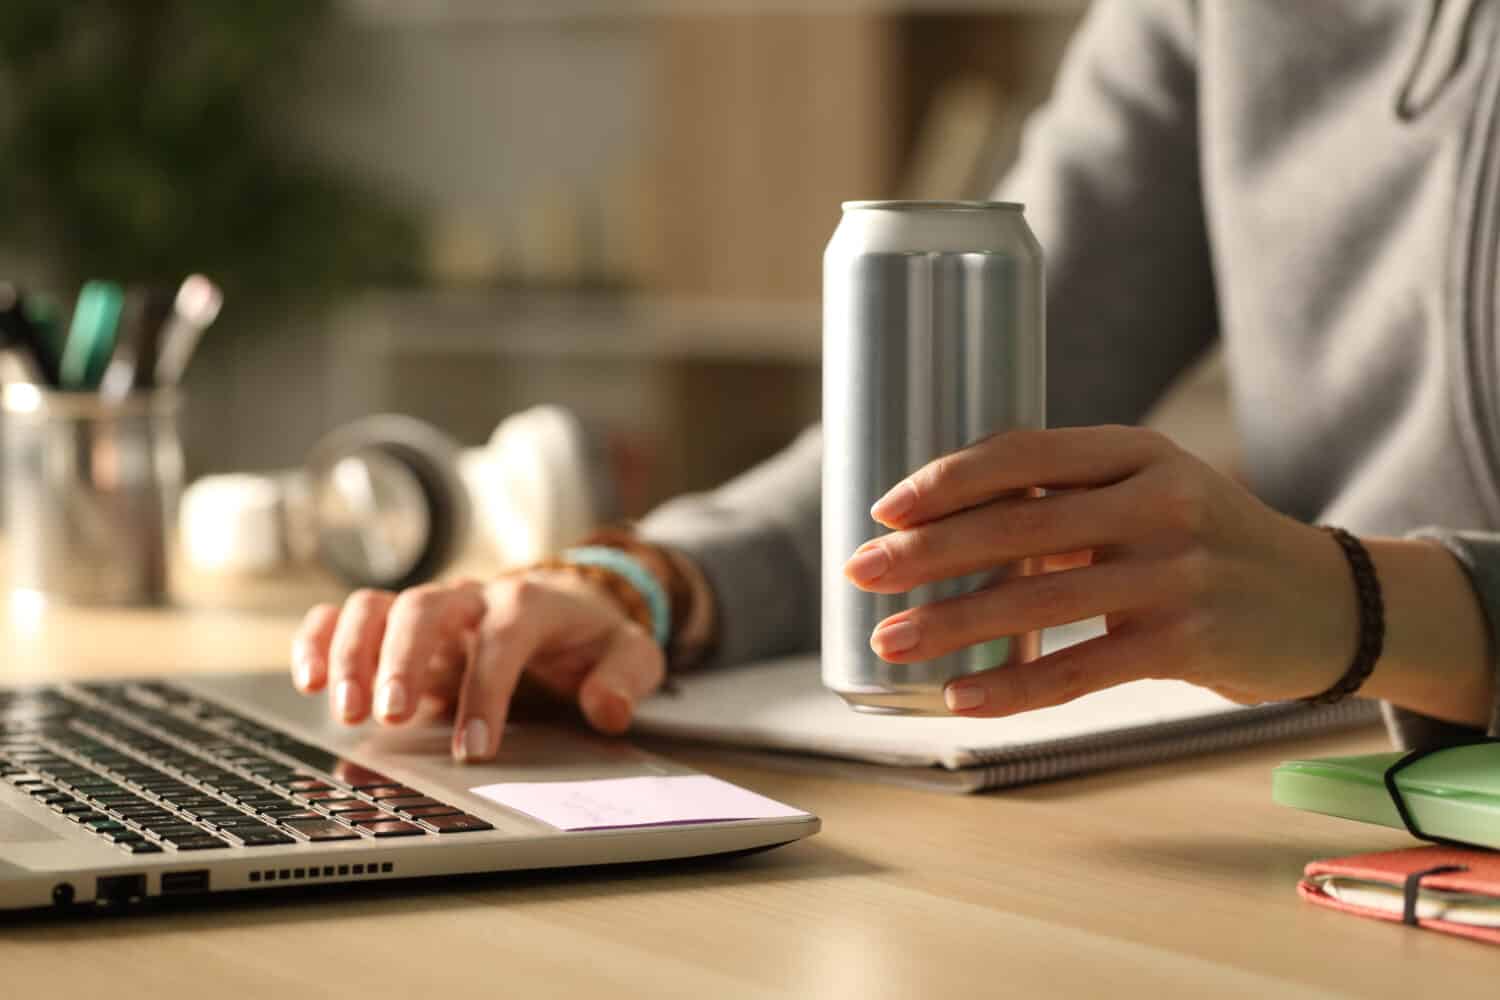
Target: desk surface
1174	880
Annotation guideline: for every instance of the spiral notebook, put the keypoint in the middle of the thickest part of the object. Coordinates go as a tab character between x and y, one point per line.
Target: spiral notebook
780	707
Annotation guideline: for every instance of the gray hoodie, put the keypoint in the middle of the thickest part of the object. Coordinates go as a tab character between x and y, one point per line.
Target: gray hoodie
1314	185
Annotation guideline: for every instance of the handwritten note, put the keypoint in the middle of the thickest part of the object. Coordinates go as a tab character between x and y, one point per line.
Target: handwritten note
613	803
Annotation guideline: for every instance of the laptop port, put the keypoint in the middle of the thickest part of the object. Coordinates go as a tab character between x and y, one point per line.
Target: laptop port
181	883
117	890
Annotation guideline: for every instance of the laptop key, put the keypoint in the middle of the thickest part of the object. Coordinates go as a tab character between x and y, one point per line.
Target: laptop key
289	811
198	844
142	847
393	828
122	798
319	830
434	810
393	792
410	801
366	816
360	777
219	811
318	760
457	824
145	815
270	838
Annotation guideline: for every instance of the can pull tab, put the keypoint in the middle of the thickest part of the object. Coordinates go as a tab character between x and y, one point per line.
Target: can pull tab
1445	44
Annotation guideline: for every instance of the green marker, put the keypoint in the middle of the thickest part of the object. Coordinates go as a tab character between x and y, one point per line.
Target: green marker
91	339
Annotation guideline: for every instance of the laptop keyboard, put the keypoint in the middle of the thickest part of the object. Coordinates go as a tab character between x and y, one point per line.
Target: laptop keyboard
152	768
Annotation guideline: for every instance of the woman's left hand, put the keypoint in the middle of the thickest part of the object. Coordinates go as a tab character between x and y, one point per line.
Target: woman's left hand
1197	579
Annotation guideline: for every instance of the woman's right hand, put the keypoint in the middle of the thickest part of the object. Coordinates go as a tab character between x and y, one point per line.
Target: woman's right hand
465	645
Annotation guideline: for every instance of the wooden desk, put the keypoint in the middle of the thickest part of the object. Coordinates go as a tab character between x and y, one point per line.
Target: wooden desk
1175	880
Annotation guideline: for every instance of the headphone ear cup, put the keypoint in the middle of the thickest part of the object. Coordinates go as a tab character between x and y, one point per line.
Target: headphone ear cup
546	482
431	459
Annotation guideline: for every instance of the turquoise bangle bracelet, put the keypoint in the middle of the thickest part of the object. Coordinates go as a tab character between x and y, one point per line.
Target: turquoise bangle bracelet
637	575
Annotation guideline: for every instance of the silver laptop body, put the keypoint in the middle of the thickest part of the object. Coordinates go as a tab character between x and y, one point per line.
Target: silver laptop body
118	792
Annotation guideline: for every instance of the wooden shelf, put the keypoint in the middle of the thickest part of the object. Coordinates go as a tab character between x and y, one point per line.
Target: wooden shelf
594	325
513	12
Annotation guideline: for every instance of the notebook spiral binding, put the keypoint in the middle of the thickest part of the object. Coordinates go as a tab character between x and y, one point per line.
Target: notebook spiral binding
1163	741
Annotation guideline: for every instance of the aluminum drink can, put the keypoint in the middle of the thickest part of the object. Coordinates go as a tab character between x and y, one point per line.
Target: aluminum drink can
933	337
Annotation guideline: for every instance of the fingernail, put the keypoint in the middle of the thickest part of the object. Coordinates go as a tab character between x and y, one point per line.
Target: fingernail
390	700
616	708
962	697
302	665
898	501
476	740
868	565
346	700
896	638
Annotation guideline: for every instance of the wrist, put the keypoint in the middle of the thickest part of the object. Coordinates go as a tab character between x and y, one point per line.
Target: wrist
1369	630
1437	658
698	630
694	613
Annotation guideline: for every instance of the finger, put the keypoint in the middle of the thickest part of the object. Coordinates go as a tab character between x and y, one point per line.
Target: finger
521	611
310	648
355	652
1058	677
1068	458
1067	560
420	622
445	672
1001	532
1017	605
631	668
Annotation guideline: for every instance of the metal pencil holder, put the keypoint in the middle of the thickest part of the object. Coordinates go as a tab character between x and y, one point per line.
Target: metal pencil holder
91	491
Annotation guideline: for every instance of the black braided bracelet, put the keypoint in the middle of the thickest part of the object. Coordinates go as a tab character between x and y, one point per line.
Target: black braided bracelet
1371	620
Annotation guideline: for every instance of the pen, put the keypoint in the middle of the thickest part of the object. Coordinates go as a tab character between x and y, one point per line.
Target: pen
26	329
133	362
91	338
12	319
194	310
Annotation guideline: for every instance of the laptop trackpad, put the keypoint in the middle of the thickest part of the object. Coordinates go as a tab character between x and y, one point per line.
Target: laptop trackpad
17	829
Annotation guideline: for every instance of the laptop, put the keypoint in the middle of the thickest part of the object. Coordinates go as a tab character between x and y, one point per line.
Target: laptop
118	793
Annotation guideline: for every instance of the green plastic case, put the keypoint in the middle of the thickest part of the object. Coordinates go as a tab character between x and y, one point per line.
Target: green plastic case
1454	794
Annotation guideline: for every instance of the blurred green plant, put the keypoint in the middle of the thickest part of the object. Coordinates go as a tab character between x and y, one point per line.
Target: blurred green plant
147	139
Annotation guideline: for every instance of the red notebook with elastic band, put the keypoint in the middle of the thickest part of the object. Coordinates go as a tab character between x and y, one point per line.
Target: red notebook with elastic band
1453	890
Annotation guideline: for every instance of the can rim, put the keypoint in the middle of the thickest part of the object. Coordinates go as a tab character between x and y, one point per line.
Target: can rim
909	204
21	399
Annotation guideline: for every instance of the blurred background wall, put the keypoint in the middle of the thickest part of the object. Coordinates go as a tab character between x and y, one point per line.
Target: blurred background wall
619	205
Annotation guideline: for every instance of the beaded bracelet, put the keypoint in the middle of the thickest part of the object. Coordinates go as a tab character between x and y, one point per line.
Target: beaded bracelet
1371	620
623	564
615	586
690	643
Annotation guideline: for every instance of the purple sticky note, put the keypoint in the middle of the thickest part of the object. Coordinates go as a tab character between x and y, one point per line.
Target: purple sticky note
657	800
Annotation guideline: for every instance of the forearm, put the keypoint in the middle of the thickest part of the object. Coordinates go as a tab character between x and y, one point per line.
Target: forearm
1437	659
755	542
